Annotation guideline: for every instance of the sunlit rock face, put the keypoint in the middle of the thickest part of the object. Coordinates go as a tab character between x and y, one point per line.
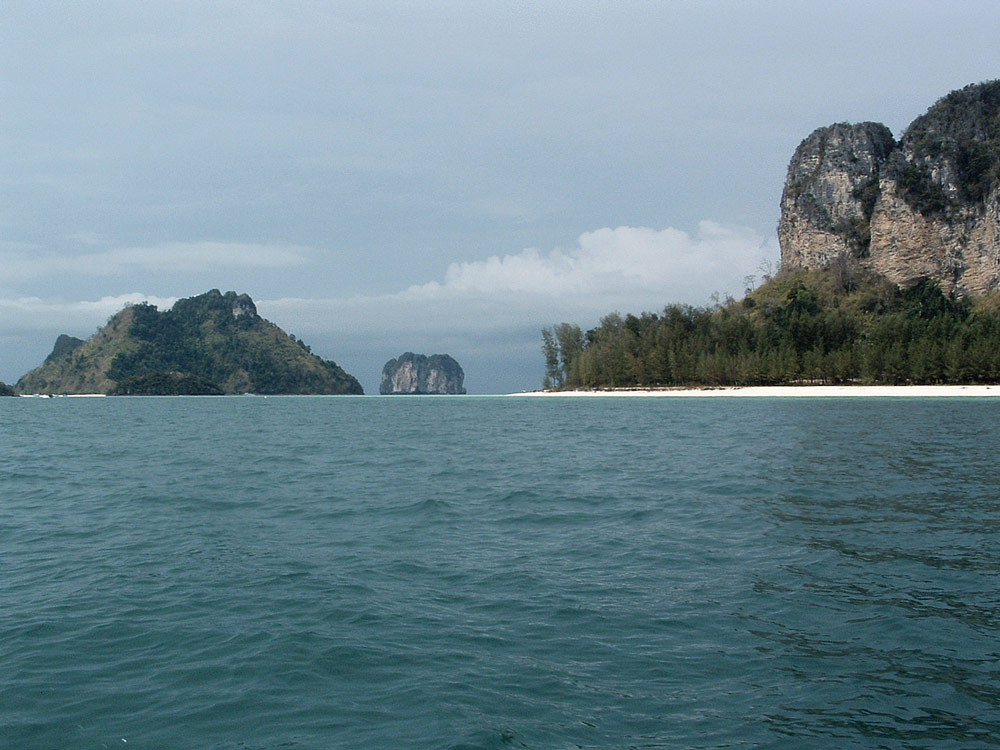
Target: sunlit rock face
925	206
830	192
418	374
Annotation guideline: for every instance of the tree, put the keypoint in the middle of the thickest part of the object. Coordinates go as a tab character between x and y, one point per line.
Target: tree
554	377
570	339
843	324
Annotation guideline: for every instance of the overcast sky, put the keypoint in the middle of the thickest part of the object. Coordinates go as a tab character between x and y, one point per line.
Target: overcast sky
428	176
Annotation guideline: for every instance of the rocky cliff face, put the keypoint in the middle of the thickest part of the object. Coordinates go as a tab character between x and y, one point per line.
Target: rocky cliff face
830	192
414	374
927	206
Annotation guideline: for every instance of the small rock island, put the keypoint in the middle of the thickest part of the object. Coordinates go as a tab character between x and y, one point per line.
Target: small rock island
418	374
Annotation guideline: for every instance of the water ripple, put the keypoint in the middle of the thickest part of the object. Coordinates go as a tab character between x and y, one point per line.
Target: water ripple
495	573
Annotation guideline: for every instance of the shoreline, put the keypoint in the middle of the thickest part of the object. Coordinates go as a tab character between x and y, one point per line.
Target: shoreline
785	391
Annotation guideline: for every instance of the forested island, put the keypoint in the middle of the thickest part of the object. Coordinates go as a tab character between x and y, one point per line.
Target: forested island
210	344
890	258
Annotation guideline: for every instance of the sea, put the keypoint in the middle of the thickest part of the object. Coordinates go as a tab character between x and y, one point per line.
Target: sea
499	572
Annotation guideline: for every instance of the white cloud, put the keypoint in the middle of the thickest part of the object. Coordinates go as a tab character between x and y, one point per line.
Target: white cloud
174	257
612	261
629	269
25	314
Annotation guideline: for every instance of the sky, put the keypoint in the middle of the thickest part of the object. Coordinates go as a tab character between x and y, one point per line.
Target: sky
437	177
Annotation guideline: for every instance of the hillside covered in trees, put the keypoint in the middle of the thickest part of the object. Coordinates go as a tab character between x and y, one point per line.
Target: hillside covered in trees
212	343
841	324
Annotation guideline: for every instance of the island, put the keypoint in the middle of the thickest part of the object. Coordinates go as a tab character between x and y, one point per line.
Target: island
418	374
889	273
213	343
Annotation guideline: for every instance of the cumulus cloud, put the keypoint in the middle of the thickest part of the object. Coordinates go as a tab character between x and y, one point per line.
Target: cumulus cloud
175	257
623	259
629	269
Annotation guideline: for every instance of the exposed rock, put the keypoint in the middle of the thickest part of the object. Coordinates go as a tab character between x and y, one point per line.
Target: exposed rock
212	342
65	345
243	305
829	194
927	206
414	374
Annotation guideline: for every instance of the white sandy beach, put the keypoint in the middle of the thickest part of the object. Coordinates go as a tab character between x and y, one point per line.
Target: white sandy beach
789	391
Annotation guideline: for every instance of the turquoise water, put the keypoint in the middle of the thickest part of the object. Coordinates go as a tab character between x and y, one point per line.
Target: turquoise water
499	572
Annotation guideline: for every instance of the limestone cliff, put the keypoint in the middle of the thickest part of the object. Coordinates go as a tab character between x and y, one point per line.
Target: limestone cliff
832	185
927	206
414	374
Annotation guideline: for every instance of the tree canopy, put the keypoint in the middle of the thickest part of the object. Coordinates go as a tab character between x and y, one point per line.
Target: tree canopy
838	325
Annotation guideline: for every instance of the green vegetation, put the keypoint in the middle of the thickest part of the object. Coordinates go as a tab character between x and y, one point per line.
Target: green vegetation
6	390
220	339
918	188
166	384
857	231
960	132
838	325
64	347
213	341
977	168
